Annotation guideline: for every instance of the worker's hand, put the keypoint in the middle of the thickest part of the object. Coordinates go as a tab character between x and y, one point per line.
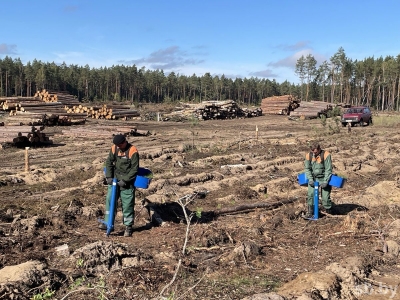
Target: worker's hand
109	180
311	183
323	185
121	183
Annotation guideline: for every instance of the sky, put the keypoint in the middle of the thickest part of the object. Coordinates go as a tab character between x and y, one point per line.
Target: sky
236	38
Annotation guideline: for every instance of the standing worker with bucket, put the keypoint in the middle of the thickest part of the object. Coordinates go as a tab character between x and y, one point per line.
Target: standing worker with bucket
122	163
318	168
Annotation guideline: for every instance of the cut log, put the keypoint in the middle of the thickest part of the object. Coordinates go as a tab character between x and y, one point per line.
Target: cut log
249	207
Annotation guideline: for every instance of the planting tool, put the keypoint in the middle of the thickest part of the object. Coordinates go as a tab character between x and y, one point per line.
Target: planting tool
316	202
111	215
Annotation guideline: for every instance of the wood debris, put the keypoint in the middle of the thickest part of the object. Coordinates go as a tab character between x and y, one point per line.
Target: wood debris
104	131
23	136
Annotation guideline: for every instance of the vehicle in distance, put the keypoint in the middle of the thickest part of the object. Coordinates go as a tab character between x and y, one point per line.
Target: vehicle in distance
357	115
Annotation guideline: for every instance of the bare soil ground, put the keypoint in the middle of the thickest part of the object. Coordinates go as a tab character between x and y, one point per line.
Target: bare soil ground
223	166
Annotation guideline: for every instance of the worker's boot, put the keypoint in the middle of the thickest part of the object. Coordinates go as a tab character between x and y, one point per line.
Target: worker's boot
128	230
310	212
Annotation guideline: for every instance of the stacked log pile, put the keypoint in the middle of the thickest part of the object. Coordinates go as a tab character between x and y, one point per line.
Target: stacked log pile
250	113
45	96
24	136
43	119
105	111
211	110
67	107
53	96
29	105
279	105
312	109
105	132
227	109
41	110
37	107
12	103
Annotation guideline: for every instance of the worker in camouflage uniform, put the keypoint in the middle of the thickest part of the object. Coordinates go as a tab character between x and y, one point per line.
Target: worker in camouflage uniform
122	163
318	168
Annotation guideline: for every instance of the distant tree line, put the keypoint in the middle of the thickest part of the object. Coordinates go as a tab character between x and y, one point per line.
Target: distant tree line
372	81
128	83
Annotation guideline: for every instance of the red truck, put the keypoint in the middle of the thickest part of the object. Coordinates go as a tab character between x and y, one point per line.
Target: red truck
357	115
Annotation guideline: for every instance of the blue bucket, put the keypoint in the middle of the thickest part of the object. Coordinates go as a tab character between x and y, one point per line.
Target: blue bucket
143	178
336	181
302	179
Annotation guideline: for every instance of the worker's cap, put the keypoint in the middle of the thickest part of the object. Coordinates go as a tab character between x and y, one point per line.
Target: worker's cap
315	146
119	139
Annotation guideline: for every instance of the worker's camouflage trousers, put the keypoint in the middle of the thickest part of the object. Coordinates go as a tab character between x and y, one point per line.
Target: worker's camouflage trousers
325	196
127	197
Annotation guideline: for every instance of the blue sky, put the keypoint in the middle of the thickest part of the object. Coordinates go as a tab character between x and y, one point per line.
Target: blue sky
259	38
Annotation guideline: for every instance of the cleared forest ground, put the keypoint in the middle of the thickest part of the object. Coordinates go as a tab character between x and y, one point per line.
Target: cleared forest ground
221	166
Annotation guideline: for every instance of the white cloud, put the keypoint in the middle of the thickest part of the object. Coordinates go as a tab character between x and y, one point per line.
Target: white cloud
290	61
69	55
8	49
294	47
267	73
168	59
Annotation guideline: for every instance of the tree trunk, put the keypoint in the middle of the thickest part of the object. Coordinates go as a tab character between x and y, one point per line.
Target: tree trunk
398	93
333	86
6	84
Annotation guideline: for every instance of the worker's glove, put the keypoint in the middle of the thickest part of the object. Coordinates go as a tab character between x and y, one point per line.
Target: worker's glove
121	183
311	183
109	180
324	185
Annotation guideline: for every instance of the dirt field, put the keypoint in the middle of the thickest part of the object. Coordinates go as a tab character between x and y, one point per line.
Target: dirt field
237	246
